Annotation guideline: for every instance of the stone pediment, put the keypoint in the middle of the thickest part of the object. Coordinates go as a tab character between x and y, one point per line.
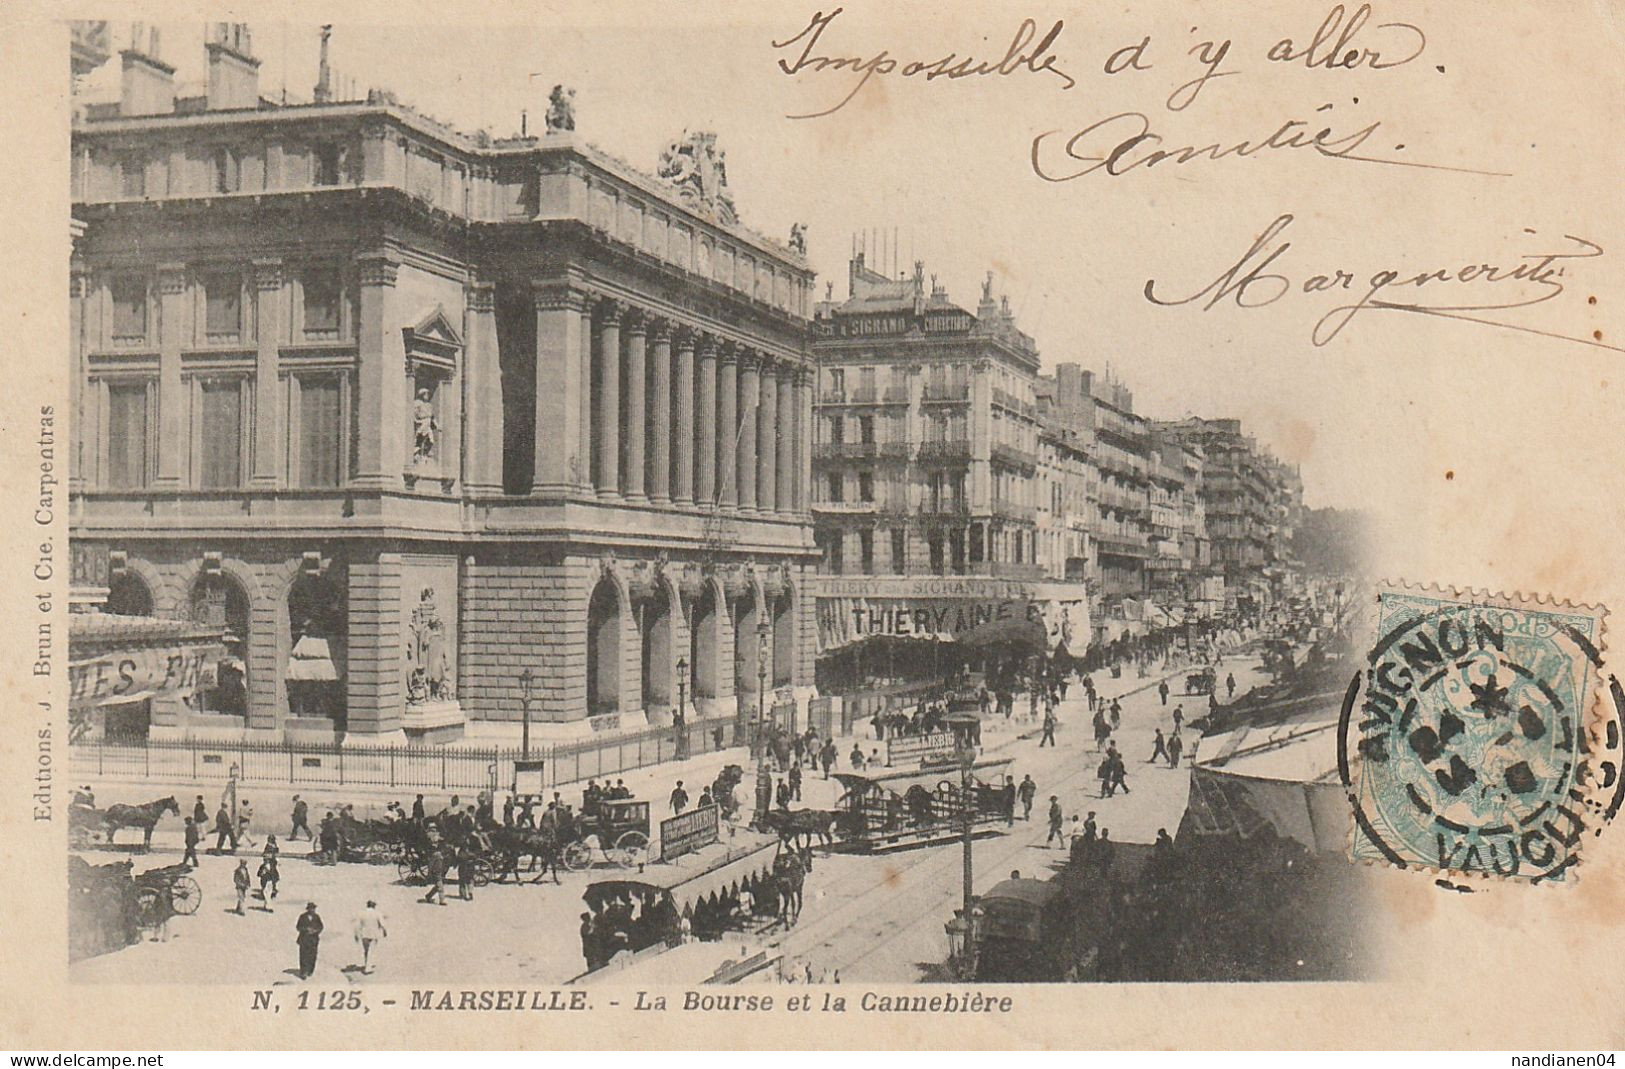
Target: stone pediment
433	339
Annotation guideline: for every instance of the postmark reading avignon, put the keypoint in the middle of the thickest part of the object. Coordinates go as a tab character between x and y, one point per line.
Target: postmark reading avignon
1469	743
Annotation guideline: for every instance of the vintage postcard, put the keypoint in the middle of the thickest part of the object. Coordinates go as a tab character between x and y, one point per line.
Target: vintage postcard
800	524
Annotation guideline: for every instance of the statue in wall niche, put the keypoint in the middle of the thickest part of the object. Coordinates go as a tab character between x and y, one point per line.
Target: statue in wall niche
561	109
428	676
425	428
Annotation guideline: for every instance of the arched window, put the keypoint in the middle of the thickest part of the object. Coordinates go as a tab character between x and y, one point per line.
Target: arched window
315	671
219	602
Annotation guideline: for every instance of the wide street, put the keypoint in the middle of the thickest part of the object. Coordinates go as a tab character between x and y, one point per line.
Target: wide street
872	918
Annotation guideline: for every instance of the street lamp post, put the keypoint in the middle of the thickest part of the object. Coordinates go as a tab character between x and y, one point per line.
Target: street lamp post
761	680
527	684
680	720
967	758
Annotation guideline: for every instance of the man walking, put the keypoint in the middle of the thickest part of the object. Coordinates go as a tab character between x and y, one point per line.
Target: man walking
1049	728
200	814
369	932
223	831
1161	749
1179	717
301	820
309	927
1027	792
679	798
241	881
1230	684
193	834
795	782
1175	746
1162	689
1054	822
465	875
1119	774
1117	715
827	756
417	810
1104	774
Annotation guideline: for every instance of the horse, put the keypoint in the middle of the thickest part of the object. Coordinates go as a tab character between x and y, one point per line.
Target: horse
145	817
789	875
797	824
541	845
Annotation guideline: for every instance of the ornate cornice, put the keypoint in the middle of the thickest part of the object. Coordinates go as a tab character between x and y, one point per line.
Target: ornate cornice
267	275
554	296
480	296
377	270
171	278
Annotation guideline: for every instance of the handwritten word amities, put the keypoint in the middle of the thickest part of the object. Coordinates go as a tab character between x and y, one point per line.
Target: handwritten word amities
1028	53
1467	290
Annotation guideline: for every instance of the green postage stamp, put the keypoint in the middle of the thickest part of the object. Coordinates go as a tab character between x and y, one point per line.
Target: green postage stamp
1473	741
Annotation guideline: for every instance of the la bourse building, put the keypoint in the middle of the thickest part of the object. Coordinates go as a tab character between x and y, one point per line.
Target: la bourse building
405	412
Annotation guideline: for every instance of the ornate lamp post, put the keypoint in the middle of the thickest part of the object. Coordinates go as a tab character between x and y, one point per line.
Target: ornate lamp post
761	679
680	718
527	685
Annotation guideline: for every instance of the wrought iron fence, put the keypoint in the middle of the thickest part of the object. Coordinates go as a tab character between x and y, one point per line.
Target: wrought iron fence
450	767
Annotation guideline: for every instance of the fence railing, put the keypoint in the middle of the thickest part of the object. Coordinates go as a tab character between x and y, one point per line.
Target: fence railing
422	768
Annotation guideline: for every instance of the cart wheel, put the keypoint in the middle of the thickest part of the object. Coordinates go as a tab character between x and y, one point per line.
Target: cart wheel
577	856
408	871
479	872
149	907
185	896
632	849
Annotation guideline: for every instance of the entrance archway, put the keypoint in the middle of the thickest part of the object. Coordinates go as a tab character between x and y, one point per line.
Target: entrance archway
705	642
747	643
315	670
218	601
604	649
659	683
127	595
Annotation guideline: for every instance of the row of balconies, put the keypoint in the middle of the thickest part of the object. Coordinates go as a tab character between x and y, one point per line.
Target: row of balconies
1012	510
1011	457
865	395
944	392
1009	401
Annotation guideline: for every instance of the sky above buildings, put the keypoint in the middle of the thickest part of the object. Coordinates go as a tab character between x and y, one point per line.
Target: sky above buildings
944	171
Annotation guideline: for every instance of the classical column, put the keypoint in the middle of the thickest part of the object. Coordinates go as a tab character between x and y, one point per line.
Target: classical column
172	326
558	369
789	436
381	397
725	429
804	434
705	424
660	413
767	438
583	471
270	318
637	428
608	423
749	400
683	484
79	422
482	381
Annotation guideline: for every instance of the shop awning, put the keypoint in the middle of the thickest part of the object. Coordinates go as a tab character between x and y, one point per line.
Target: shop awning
115	659
311	661
714	869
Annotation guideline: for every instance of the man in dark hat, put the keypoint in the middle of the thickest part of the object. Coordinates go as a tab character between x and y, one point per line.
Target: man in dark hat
309	927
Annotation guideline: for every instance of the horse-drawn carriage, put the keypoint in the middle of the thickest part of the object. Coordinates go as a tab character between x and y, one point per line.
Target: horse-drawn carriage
615	828
86	822
161	891
886	809
746	883
428	849
1202	682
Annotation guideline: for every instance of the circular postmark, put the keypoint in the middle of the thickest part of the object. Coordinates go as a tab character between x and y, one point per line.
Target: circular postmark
1464	743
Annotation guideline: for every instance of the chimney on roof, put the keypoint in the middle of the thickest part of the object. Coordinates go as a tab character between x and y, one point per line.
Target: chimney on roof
323	93
234	73
148	85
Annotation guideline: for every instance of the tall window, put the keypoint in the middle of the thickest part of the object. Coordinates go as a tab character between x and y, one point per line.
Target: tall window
866	429
321	431
834	486
899	550
223	315
327	165
866	486
220	426
866	551
321	286
129	309
126	435
837	429
133	176
227	171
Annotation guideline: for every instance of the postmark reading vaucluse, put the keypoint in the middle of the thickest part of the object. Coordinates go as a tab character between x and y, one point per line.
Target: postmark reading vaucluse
1464	741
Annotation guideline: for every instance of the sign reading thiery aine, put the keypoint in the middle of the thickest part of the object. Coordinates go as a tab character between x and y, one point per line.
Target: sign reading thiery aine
687	832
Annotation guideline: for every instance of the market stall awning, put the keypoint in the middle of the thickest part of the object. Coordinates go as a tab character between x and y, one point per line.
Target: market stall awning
311	661
714	869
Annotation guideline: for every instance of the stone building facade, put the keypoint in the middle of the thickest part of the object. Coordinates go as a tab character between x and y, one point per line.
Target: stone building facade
407	411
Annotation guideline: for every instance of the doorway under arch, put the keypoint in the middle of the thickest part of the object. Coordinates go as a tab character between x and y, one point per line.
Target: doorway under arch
656	620
705	643
784	641
604	649
220	601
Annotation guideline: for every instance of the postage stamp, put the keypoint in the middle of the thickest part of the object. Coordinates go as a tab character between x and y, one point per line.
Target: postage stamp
1463	742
